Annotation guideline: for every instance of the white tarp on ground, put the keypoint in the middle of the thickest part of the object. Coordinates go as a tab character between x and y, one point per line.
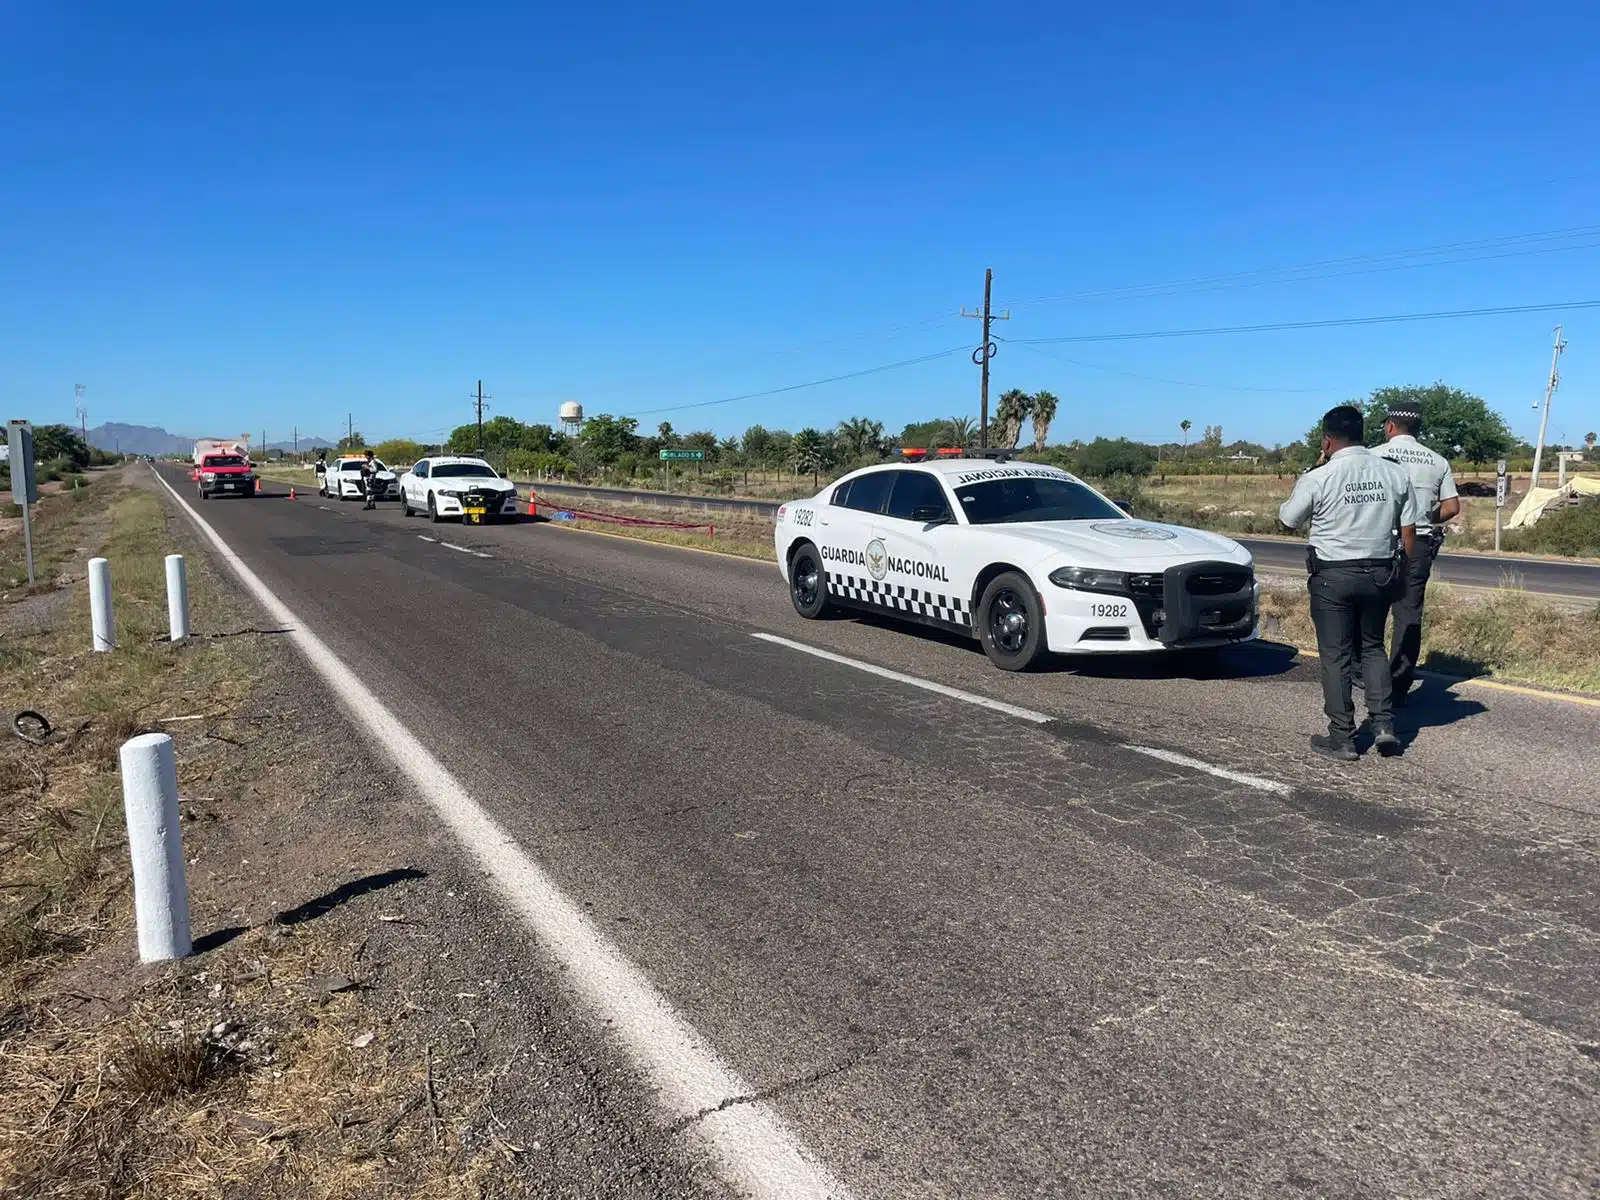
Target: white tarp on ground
1538	499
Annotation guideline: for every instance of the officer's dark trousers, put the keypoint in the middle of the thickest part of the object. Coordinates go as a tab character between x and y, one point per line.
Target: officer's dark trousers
1406	642
1350	608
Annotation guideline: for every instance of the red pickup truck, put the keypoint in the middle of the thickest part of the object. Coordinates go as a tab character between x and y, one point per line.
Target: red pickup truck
225	475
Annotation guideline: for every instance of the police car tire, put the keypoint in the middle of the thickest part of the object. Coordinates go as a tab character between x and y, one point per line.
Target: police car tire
819	604
433	510
1033	648
405	506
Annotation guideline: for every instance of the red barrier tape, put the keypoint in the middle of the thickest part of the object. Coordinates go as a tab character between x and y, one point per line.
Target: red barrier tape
613	519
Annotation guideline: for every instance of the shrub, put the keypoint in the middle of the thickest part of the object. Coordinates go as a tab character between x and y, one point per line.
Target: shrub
1574	530
527	464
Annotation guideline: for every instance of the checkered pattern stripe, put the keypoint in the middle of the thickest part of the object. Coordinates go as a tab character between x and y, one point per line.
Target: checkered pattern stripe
898	597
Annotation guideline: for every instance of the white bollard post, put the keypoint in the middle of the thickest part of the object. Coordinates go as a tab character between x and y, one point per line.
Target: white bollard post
155	841
177	599
105	630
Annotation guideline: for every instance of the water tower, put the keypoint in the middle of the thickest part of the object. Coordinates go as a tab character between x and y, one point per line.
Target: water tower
572	417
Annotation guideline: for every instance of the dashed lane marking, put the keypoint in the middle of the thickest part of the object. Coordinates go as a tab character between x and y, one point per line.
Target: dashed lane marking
753	1146
1199	764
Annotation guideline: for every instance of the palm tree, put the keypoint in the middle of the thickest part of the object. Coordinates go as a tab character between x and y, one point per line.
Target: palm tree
1588	441
1186	425
958	431
1009	414
861	438
1044	411
809	452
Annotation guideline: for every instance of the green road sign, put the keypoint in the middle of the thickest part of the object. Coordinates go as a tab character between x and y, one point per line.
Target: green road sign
683	456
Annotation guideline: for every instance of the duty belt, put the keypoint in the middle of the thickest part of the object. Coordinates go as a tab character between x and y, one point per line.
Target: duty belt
1315	563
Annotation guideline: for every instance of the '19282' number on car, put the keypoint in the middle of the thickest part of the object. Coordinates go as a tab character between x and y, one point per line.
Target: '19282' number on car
803	516
1108	610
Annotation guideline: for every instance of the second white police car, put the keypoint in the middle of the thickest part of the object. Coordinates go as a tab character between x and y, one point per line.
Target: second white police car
1027	558
454	485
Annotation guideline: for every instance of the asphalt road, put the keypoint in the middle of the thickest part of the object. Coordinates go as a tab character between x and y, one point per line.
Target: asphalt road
968	954
1548	576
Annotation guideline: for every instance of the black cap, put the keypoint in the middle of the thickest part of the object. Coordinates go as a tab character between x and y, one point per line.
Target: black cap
1408	410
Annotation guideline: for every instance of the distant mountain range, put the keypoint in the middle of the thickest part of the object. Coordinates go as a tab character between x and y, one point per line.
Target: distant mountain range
151	439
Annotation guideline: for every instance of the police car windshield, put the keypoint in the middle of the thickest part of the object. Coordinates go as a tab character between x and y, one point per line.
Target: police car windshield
1032	498
477	470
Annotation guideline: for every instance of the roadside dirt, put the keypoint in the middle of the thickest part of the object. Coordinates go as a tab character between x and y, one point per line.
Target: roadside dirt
359	1017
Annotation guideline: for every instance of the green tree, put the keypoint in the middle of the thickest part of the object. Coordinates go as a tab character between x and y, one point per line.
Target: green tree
1186	425
399	450
1588	442
666	436
1013	409
1105	457
51	442
605	438
809	454
1455	423
959	431
757	444
352	441
1044	411
860	438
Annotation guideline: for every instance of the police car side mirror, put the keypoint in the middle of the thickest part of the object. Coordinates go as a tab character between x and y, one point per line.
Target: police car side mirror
1125	505
931	514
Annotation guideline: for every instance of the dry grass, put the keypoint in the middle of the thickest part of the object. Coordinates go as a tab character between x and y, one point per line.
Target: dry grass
747	536
1506	634
249	1078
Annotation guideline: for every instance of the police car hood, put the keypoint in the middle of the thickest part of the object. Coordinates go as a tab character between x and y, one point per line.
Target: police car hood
1119	544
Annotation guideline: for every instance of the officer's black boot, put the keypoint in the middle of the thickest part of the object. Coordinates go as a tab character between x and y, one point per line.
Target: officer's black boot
1332	746
1385	739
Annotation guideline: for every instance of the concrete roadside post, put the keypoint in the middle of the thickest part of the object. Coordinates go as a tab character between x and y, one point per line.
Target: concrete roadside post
24	483
155	842
100	617
177	599
1501	487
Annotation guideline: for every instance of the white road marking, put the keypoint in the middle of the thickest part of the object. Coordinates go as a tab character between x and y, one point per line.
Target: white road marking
755	1149
927	685
481	554
453	546
1199	764
426	538
1027	714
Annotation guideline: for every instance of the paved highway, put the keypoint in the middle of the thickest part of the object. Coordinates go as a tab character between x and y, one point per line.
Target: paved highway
1575	580
1098	931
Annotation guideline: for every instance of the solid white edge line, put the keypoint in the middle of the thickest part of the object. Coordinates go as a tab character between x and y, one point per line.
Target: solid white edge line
1027	714
754	1147
927	685
453	546
1199	764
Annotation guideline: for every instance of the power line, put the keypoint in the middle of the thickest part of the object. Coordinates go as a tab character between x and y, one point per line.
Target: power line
795	387
1339	322
1215	387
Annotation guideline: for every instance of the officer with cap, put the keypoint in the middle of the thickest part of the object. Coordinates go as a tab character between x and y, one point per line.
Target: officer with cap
1437	502
1363	513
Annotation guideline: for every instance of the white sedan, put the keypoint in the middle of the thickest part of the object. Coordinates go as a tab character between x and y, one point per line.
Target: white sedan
342	479
1025	557
453	486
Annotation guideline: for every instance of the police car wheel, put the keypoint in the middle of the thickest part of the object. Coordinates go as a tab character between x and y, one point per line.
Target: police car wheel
405	505
1011	623
808	583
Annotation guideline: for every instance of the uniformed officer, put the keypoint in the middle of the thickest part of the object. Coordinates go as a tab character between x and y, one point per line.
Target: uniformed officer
1437	502
1363	514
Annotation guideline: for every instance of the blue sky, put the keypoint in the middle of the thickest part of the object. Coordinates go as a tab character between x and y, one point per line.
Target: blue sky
220	217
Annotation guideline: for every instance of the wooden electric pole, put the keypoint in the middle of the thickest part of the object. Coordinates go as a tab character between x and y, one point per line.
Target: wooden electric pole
984	352
1544	422
479	400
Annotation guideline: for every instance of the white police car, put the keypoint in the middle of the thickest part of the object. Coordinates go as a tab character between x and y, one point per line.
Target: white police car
342	479
1025	557
453	485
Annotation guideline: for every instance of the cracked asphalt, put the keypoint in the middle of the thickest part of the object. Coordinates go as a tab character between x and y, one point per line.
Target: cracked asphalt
965	955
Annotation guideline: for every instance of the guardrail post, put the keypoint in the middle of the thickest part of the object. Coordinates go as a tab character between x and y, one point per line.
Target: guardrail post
177	599
100	618
155	842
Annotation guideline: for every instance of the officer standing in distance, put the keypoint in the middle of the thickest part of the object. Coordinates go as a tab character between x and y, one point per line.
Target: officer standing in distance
1363	513
1437	502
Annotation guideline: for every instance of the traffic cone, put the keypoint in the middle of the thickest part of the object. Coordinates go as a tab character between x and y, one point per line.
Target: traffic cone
533	503
258	485
291	491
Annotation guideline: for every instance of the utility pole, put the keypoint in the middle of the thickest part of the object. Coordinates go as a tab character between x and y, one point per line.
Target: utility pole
297	443
350	427
83	413
1544	422
984	352
479	400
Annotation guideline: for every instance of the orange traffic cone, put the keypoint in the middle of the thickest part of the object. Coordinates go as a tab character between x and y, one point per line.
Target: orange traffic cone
533	503
258	485
291	491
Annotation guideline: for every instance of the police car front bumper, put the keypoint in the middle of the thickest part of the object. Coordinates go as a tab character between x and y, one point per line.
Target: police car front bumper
487	505
1190	606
